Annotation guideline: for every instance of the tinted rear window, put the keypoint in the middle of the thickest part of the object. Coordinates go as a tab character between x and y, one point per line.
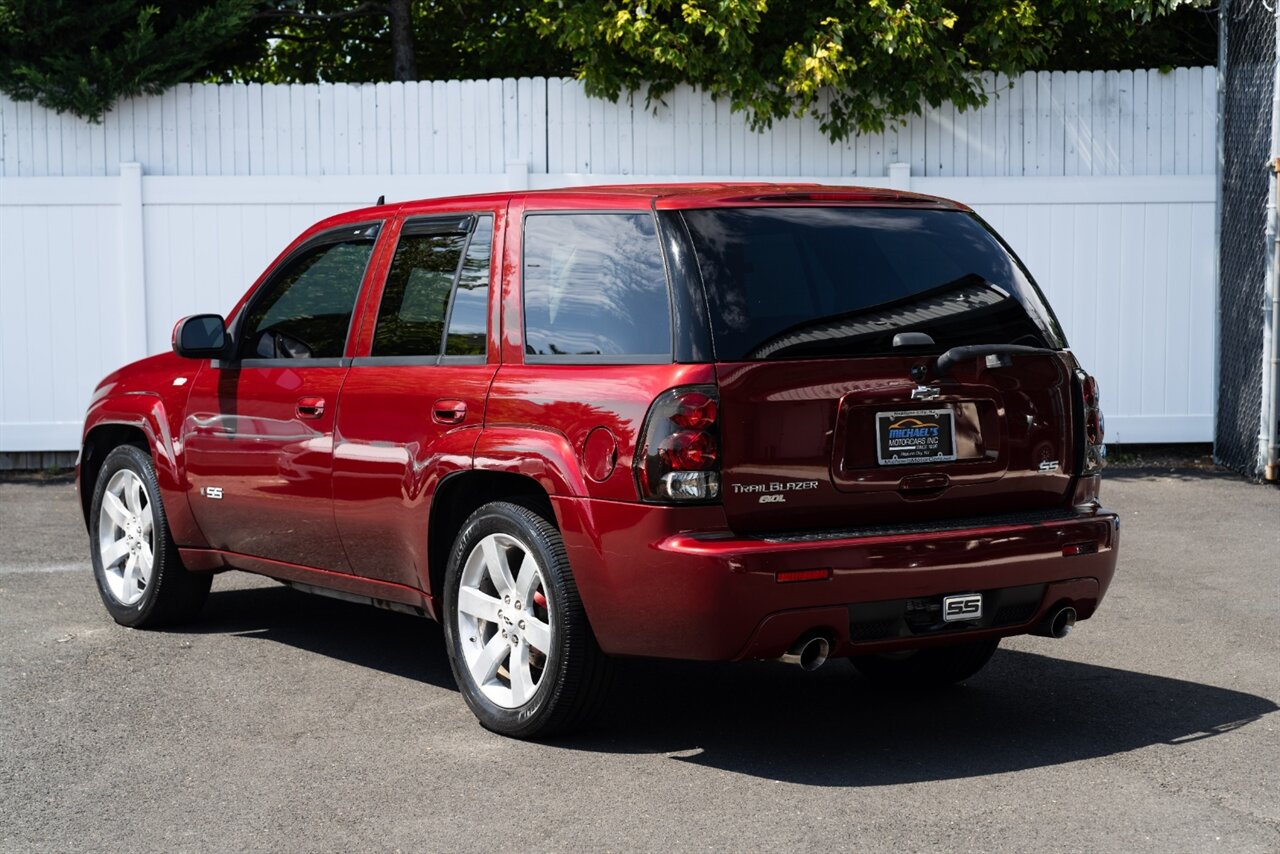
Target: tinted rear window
794	283
595	288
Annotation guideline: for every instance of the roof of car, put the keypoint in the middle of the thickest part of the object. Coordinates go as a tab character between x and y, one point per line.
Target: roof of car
670	196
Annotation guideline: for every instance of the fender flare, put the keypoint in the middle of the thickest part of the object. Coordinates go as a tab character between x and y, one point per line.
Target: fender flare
145	411
545	456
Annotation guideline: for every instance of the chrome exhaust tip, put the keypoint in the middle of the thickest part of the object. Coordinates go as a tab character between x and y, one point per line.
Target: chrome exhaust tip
808	653
1058	624
1063	622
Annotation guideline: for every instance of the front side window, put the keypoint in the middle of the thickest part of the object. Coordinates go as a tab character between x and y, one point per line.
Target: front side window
305	310
595	287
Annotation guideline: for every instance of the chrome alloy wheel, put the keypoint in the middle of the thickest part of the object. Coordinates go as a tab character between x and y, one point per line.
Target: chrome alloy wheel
126	537
504	620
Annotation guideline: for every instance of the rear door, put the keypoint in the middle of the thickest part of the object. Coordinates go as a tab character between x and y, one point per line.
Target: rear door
827	324
414	401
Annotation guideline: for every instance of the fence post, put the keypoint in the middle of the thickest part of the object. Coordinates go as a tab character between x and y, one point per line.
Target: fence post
133	279
900	176
517	175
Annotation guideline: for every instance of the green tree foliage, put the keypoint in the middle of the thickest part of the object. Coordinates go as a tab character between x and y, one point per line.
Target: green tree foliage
305	41
875	59
855	64
83	55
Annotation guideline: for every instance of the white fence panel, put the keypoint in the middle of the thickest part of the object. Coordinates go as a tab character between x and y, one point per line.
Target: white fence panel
1126	263
1042	124
1102	181
61	315
1126	275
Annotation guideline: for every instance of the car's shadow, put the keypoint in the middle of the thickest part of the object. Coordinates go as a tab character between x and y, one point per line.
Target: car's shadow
394	643
828	728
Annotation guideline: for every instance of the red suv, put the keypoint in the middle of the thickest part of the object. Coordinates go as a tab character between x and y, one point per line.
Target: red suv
715	422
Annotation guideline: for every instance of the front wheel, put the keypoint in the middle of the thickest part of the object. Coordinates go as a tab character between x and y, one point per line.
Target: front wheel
135	560
521	649
933	667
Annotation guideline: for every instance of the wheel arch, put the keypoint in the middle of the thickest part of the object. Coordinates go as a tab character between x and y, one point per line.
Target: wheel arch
463	493
140	419
99	441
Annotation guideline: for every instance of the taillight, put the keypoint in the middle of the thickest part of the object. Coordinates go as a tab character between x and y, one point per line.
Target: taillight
678	457
1095	452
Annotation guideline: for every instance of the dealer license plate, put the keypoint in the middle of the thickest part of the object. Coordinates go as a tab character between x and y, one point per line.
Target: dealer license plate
915	436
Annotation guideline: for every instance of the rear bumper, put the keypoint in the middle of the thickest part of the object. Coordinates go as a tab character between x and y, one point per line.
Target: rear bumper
652	588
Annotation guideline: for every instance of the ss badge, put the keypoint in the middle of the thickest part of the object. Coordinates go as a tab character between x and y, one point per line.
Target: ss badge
966	606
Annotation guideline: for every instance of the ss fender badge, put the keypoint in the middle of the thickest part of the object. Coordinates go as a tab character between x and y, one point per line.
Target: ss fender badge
966	606
1049	466
214	492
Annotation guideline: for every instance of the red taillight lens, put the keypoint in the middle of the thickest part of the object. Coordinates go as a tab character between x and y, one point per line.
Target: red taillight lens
1094	430
1090	388
678	456
695	411
1095	452
689	450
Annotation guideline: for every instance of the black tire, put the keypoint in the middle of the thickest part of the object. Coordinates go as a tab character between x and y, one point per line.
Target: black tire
574	673
923	669
171	594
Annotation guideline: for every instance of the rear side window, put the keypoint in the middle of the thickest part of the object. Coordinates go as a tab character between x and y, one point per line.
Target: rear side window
414	303
801	282
469	319
439	278
595	289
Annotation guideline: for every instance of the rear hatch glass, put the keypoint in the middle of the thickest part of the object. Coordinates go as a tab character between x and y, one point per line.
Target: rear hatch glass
823	425
804	283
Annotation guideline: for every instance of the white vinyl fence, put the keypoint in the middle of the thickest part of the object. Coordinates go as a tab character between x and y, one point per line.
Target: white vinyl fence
1104	183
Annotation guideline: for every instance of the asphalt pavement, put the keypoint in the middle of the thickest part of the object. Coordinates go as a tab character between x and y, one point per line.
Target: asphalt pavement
287	722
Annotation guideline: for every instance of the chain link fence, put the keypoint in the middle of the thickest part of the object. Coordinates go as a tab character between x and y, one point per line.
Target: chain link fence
1249	67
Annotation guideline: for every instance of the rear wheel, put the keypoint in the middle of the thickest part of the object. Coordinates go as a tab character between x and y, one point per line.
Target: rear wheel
135	561
926	668
519	644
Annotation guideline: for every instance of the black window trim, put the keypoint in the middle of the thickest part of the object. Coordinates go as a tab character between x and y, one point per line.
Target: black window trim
418	226
369	230
572	359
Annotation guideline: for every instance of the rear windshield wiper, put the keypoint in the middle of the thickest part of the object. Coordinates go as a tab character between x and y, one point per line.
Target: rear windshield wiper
956	355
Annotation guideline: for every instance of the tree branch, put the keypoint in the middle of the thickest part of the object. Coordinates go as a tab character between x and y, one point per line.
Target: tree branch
364	9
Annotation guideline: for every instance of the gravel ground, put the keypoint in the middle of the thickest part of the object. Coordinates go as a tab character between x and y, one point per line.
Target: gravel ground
283	722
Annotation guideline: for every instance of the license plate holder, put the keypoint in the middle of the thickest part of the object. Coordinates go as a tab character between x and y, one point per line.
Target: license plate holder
915	436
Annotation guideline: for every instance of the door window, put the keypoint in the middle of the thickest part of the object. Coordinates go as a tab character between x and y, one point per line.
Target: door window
436	281
469	319
305	309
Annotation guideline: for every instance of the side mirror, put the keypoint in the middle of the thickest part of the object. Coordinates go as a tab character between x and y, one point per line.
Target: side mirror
201	336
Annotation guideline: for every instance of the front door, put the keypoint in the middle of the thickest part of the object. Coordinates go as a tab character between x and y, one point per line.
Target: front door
412	407
259	427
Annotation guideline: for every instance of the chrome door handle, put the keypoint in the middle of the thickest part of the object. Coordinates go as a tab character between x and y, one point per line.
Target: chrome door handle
310	407
449	411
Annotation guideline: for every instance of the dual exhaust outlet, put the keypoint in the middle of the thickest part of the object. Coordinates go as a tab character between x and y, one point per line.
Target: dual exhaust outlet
811	651
1058	624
